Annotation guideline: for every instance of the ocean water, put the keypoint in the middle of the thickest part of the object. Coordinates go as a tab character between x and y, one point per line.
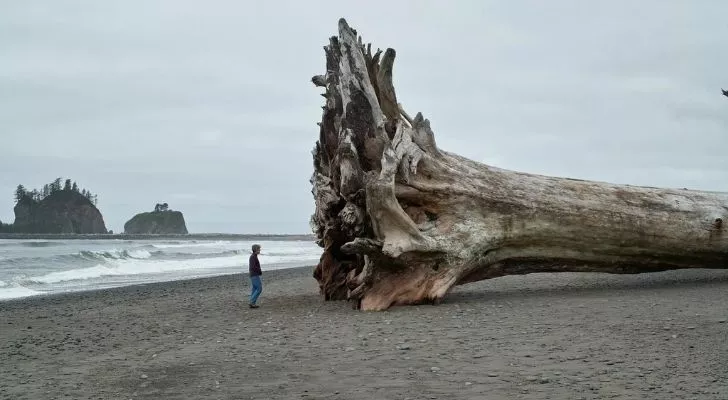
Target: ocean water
38	267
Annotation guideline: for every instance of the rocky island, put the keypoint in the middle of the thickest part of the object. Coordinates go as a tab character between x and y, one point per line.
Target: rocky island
161	221
56	209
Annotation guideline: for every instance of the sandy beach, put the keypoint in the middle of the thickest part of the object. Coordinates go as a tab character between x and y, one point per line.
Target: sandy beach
541	336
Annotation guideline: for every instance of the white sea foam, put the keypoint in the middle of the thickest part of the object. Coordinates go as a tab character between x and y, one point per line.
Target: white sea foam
75	274
17	292
139	254
3	284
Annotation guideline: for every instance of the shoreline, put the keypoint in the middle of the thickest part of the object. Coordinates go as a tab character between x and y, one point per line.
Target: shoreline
159	285
133	236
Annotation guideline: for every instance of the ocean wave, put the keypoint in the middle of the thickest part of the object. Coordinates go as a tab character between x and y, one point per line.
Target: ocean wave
172	252
84	255
32	243
115	254
205	253
132	267
122	266
84	265
174	245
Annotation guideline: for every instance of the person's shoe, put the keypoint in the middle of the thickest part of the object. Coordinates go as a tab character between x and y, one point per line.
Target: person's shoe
253	305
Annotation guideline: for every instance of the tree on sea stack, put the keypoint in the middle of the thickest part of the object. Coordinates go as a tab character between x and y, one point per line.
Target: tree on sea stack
402	221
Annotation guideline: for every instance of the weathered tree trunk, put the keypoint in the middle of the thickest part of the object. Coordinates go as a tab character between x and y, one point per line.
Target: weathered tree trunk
402	221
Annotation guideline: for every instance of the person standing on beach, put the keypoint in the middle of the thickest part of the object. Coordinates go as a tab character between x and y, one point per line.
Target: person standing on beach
255	273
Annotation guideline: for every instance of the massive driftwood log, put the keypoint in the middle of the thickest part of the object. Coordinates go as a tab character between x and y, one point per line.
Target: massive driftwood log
402	221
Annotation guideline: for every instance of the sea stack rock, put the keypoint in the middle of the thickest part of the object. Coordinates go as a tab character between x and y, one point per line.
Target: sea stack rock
63	211
159	221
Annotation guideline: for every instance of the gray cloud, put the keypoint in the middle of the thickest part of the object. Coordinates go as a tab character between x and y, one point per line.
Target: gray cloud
208	106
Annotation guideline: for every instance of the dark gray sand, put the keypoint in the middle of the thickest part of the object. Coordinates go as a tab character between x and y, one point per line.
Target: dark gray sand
541	336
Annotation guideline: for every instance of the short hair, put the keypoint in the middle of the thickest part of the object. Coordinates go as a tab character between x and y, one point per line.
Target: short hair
256	247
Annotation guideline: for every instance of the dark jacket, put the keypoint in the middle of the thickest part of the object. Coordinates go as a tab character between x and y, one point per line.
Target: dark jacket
254	266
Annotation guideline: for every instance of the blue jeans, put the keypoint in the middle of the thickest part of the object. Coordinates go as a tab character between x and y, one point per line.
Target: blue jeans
257	288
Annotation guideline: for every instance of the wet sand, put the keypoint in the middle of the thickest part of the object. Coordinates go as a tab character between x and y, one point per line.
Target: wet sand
541	336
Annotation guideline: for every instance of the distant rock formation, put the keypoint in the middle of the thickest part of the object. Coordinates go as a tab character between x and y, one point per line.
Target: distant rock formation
160	221
62	211
6	228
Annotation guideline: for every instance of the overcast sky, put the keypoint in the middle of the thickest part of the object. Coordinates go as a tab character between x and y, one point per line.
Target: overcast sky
208	105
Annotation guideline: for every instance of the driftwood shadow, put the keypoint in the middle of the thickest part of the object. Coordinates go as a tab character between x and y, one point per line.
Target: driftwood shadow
582	285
